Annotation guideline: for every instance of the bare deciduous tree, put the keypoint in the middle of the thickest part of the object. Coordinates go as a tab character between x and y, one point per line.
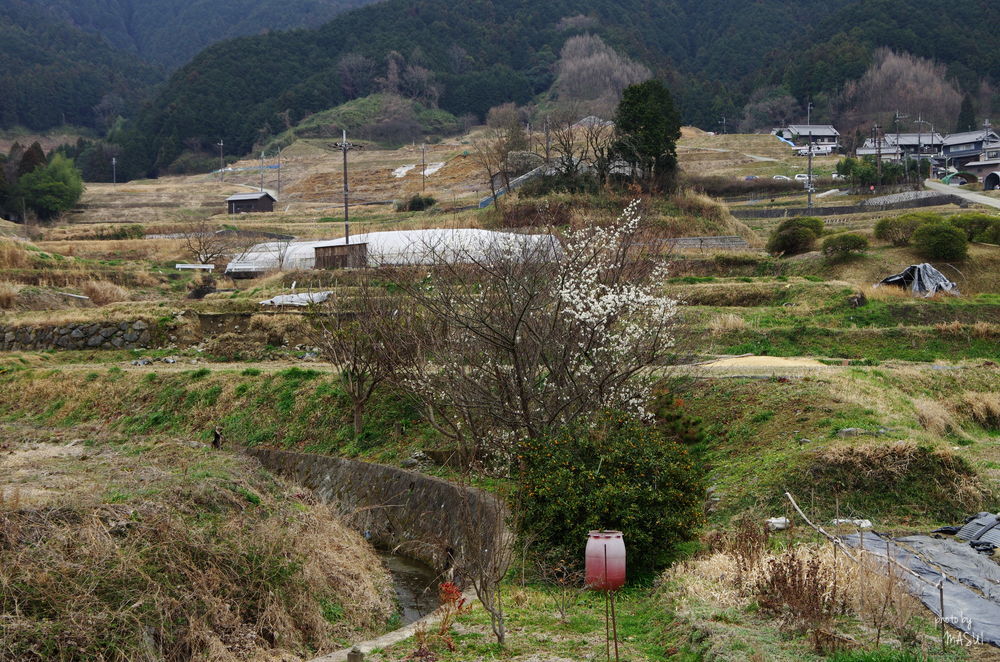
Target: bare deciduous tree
899	82
594	74
362	334
208	244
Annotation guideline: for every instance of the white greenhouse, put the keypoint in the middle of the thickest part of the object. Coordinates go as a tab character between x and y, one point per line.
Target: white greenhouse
398	247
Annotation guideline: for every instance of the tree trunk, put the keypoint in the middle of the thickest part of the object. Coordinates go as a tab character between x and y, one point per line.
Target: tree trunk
359	409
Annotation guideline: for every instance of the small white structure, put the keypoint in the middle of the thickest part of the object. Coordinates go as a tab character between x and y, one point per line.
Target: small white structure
194	267
404	247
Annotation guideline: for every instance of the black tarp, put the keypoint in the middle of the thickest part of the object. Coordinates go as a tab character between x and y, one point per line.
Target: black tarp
971	580
921	279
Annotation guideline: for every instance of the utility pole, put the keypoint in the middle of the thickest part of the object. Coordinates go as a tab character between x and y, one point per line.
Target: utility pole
895	121
809	110
279	172
114	171
878	154
723	123
262	171
809	182
222	161
345	147
548	141
920	121
423	168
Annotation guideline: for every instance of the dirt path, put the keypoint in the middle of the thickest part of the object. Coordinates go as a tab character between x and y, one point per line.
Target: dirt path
724	367
752	157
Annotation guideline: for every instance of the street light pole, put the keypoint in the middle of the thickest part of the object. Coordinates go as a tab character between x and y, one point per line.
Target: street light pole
114	171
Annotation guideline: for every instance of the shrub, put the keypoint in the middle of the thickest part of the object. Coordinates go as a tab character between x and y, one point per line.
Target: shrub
794	236
940	241
990	234
792	241
809	222
416	203
619	473
844	244
898	230
973	224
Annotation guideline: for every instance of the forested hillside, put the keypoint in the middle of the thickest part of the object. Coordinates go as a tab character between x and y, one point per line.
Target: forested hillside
171	32
85	62
52	73
470	56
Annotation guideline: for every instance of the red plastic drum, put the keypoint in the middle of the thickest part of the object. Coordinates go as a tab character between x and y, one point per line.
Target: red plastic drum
605	561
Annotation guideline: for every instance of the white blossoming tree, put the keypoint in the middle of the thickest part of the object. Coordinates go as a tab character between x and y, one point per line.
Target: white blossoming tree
530	339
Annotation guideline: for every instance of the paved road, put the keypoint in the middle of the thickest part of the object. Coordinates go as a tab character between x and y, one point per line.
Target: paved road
962	193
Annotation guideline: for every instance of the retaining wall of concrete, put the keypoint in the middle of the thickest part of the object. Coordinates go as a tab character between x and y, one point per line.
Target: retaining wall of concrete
425	518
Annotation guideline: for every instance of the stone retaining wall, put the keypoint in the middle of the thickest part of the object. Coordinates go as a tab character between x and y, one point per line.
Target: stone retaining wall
80	335
426	518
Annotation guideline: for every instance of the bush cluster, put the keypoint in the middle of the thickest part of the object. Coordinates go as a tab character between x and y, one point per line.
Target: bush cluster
795	236
899	230
936	237
618	473
416	203
844	244
940	241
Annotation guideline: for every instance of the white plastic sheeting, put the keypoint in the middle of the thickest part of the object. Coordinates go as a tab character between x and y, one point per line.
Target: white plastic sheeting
304	299
414	247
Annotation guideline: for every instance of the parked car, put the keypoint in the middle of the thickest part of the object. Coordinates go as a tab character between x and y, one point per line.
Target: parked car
750	178
782	178
802	177
837	175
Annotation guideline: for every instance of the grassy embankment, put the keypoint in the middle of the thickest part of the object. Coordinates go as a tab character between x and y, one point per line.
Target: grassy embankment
121	546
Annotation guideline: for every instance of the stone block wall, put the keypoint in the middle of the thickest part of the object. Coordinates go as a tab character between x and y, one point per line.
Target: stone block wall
80	335
422	517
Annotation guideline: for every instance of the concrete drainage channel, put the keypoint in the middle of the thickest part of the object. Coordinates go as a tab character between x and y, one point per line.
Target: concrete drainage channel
420	518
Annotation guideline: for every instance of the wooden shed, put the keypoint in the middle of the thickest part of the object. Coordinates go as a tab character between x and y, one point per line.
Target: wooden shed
344	256
250	203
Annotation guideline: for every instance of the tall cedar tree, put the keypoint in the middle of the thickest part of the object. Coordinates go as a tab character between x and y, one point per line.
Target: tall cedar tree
33	157
966	116
648	127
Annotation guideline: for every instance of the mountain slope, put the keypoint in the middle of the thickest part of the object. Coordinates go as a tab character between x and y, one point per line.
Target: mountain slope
171	32
52	73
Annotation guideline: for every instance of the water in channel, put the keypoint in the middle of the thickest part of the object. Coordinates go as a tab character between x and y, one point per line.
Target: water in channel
416	587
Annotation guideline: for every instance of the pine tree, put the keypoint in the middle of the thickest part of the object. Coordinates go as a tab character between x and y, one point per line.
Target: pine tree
966	116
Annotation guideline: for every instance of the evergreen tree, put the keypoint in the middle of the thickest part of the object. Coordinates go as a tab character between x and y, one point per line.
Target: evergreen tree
53	188
32	158
648	126
966	116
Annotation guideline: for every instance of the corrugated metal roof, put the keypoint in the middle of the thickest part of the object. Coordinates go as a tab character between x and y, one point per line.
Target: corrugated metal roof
815	129
249	196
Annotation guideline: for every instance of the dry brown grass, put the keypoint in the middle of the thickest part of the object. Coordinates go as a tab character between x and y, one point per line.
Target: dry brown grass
726	322
136	571
13	255
983	408
8	294
808	587
103	292
934	417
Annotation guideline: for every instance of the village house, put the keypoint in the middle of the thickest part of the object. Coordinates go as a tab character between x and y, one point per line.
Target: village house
961	149
249	203
821	134
903	145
